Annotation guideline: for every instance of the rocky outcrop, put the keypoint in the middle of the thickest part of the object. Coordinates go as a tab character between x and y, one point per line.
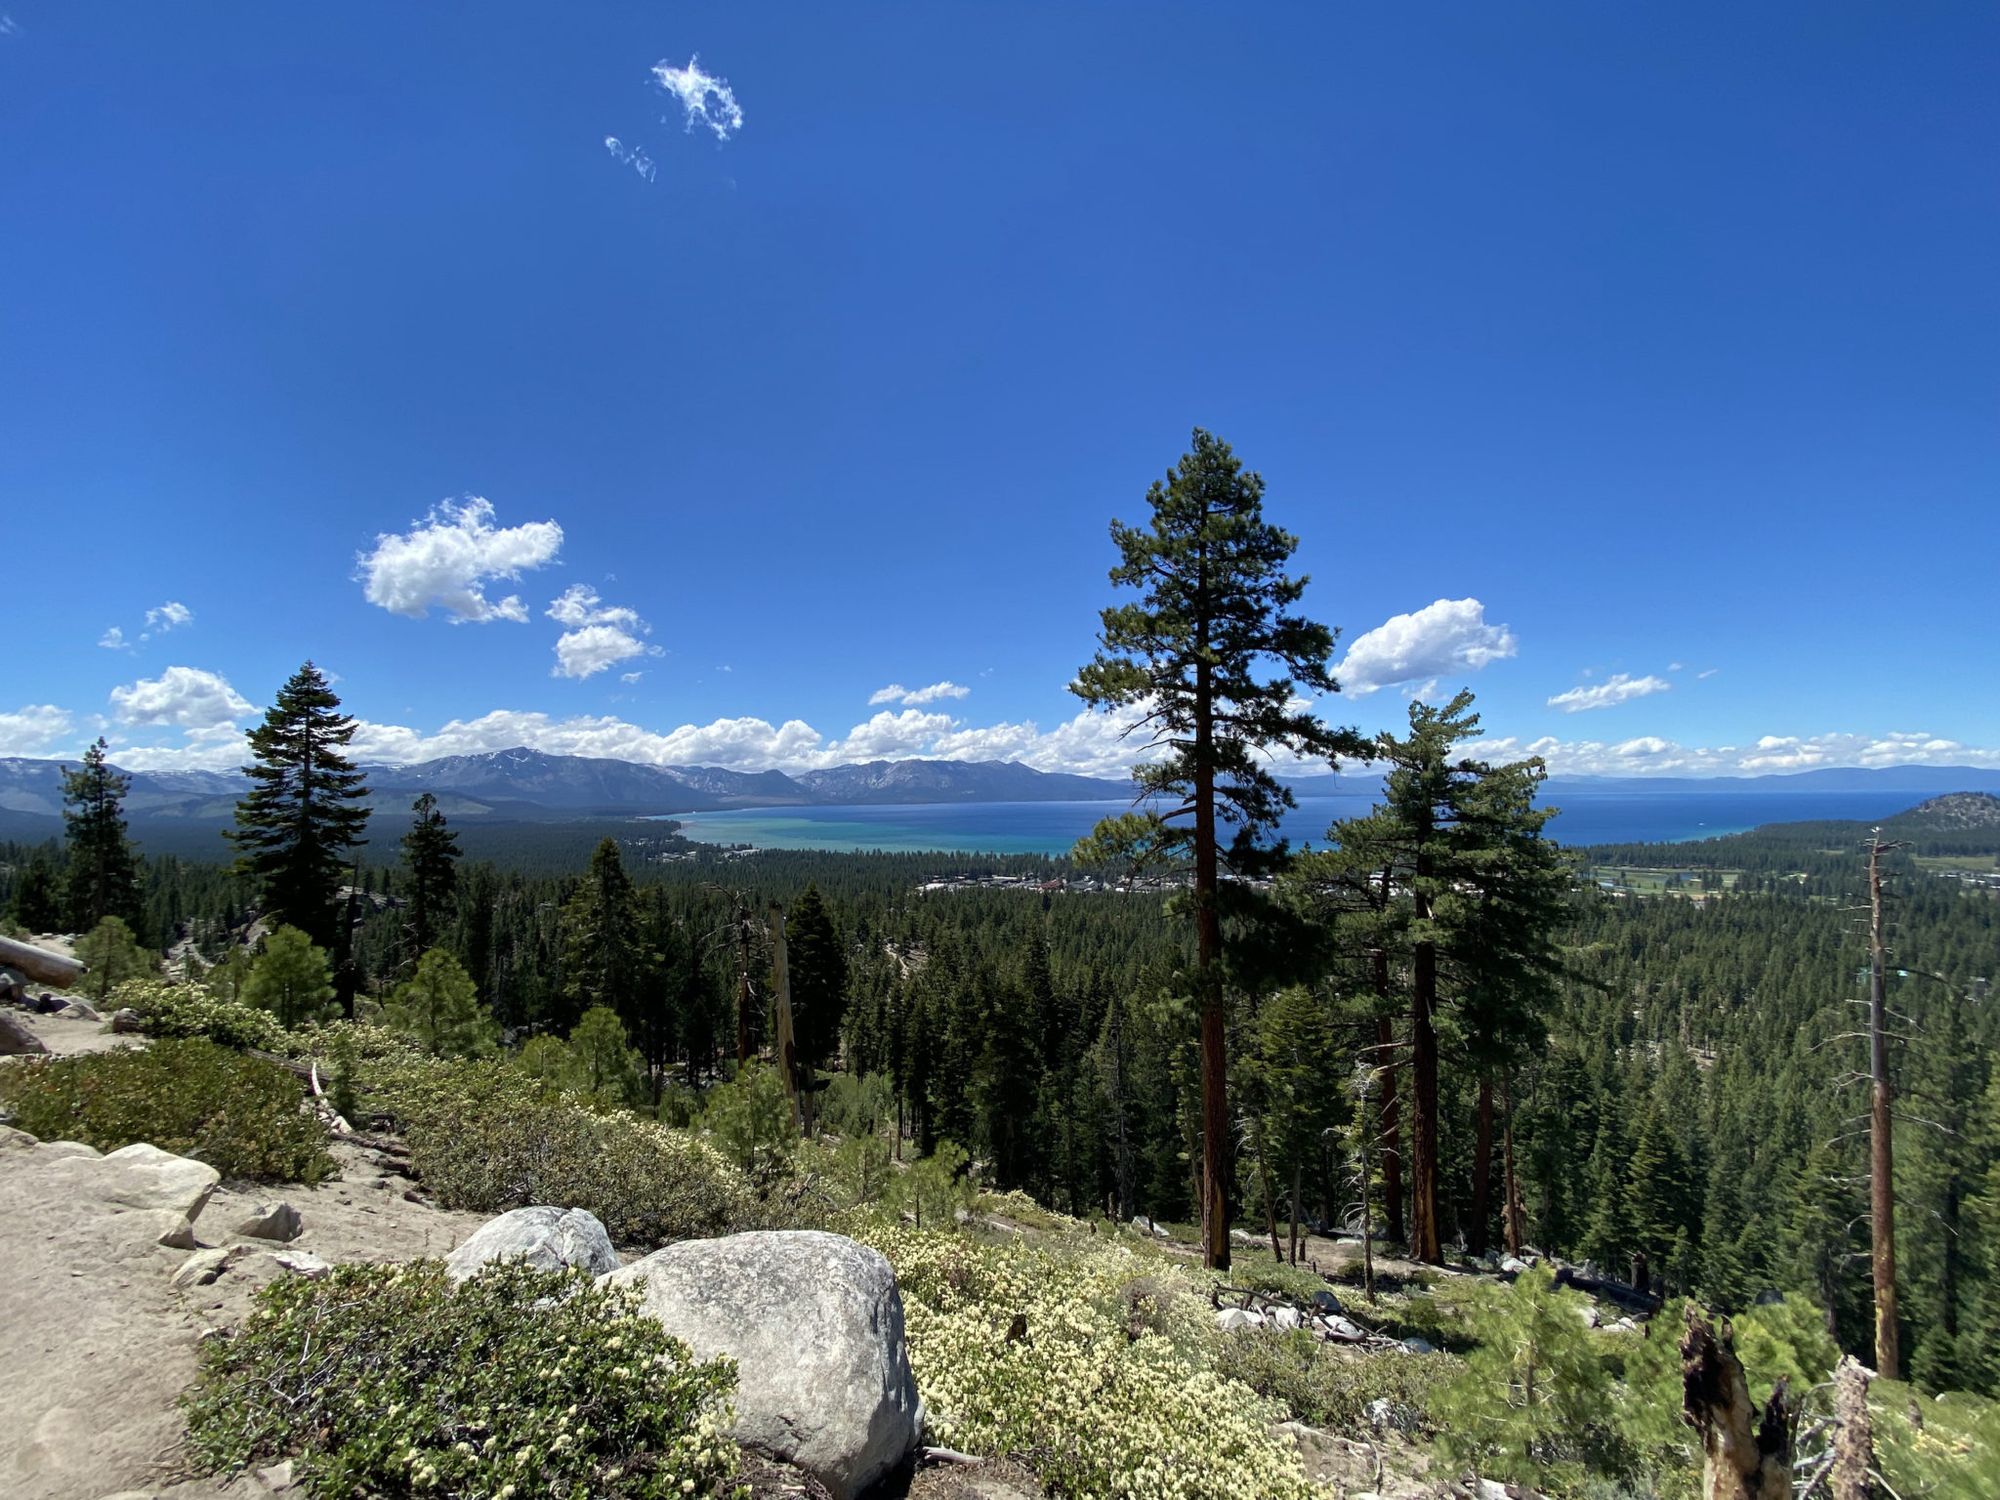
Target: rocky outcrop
549	1239
155	1195
815	1324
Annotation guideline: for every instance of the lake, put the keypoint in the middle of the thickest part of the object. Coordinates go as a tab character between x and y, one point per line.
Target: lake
1052	827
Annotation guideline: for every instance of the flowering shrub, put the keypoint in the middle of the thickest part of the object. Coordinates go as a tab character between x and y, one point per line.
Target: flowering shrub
1097	1400
239	1114
188	1010
388	1380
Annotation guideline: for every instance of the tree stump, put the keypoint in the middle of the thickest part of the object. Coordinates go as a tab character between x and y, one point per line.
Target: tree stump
1747	1452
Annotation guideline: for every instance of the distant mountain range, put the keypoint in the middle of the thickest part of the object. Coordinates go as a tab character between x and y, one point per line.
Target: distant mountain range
529	785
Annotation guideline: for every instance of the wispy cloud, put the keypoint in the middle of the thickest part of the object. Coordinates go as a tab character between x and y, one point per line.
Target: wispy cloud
169	616
8	27
1447	638
447	559
704	98
634	157
895	692
113	639
1621	688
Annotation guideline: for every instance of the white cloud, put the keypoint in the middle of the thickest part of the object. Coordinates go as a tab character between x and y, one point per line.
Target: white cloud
630	676
8	26
1771	754
169	616
703	97
634	157
185	697
1675	666
1609	693
600	635
895	692
449	557
34	729
580	605
1704	676
113	639
1445	639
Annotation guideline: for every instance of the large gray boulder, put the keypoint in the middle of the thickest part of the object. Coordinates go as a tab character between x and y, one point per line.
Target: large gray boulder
17	1039
815	1325
549	1239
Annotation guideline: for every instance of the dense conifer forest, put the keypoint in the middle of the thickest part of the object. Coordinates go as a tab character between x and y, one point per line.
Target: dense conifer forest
1696	1099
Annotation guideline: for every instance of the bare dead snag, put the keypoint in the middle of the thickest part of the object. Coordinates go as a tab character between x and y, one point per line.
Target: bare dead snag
1853	1440
1747	1452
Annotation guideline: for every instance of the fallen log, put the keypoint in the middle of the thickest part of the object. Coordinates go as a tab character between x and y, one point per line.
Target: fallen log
1630	1298
39	964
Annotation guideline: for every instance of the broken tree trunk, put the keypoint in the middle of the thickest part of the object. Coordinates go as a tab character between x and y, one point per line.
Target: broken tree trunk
1746	1451
1853	1440
788	1057
39	964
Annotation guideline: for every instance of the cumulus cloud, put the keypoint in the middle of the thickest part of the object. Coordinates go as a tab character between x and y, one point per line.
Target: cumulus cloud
447	559
34	729
113	639
599	636
703	98
895	692
185	697
1609	693
1444	639
634	157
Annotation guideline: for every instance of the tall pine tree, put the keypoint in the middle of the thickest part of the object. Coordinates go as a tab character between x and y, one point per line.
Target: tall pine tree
305	811
102	879
430	853
1210	661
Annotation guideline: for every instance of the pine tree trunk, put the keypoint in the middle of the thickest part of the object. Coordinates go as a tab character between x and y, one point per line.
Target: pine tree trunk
1746	1453
1297	1174
1482	1171
1853	1440
1425	1244
1881	1164
1208	984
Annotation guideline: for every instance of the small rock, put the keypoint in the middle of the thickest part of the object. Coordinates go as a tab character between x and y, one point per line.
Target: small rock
125	1021
1513	1265
166	1227
1490	1489
1231	1319
1418	1345
204	1266
1379	1412
16	1040
79	1010
278	1477
1285	1317
302	1263
1591	1316
1626	1325
1342	1330
547	1238
271	1221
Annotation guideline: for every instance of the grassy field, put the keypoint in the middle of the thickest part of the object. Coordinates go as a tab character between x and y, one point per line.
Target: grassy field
1650	880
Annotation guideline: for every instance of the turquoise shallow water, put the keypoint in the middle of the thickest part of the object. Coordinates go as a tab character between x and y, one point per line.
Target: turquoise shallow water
1052	827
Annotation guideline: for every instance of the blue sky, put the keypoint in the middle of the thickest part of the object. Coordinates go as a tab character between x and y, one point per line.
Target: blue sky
1643	355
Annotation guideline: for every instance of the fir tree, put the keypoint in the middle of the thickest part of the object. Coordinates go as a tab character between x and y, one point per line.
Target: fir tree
430	853
36	904
305	811
1215	610
600	935
102	879
113	955
816	963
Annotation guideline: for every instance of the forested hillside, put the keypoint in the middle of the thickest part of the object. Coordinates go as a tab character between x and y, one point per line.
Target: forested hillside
1696	1099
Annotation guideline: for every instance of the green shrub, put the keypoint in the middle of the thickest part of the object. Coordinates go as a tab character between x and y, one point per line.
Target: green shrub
751	1120
508	1148
114	957
1108	1391
187	1010
387	1380
291	978
1330	1386
241	1115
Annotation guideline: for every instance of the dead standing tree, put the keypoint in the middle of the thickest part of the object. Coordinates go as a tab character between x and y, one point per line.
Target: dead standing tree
1881	1148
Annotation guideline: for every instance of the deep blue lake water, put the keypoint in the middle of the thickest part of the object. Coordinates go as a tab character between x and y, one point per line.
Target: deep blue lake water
1052	827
